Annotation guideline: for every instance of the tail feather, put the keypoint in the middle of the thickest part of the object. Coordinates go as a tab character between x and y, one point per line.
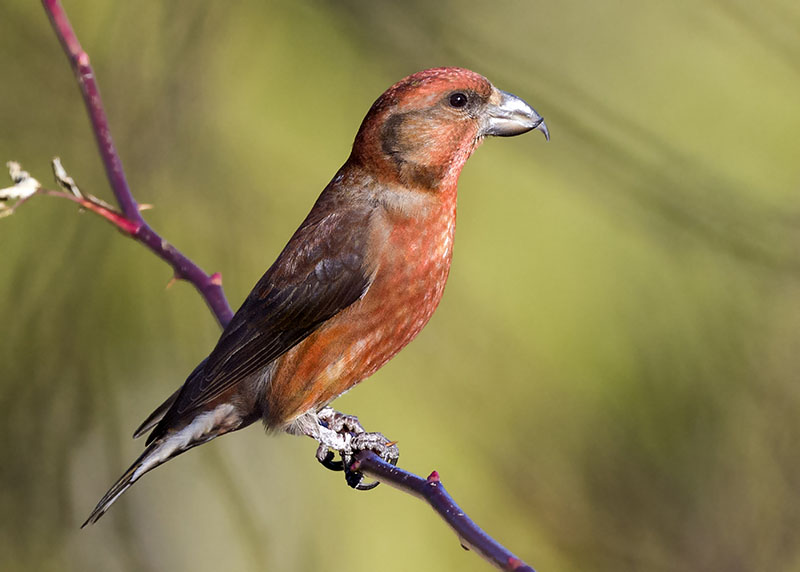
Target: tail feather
157	453
124	483
201	429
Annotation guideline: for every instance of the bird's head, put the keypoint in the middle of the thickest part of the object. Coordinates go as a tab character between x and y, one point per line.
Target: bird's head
421	131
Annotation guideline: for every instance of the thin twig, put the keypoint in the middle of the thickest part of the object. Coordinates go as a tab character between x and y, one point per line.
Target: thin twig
112	216
208	285
130	221
432	491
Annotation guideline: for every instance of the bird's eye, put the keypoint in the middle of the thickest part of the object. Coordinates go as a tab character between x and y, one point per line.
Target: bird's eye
458	99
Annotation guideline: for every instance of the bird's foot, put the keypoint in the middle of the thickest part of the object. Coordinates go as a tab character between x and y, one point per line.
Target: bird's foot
375	442
345	435
339	422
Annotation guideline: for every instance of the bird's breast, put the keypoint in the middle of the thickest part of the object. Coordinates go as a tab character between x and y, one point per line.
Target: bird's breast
412	272
411	260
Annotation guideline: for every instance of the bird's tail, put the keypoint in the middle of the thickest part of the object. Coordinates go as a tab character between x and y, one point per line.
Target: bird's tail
203	427
157	453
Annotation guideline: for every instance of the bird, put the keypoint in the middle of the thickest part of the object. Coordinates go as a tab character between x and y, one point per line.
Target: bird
355	283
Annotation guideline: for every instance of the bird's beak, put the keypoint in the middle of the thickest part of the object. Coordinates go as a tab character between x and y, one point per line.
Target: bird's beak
508	115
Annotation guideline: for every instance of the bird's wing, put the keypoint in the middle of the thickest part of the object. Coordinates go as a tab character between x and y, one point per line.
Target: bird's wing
321	271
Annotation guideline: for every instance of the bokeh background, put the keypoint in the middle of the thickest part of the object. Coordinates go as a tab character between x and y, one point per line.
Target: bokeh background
611	381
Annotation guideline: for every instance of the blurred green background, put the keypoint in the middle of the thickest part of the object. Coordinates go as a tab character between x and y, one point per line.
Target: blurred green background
611	380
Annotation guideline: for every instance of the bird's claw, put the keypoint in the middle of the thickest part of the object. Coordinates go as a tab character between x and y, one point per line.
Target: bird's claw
353	439
326	458
375	442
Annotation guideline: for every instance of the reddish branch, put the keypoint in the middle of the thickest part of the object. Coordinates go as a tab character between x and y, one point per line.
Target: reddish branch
130	221
109	214
208	285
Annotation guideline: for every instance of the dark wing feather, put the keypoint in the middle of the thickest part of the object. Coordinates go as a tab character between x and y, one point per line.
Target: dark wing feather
321	271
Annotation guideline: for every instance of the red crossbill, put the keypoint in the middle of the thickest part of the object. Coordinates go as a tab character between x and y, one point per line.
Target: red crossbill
355	283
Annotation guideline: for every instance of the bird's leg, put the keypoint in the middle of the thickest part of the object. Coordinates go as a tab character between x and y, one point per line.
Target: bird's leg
317	425
341	425
335	431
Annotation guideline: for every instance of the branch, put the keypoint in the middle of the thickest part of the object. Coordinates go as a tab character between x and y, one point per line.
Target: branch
208	285
129	220
25	187
432	491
